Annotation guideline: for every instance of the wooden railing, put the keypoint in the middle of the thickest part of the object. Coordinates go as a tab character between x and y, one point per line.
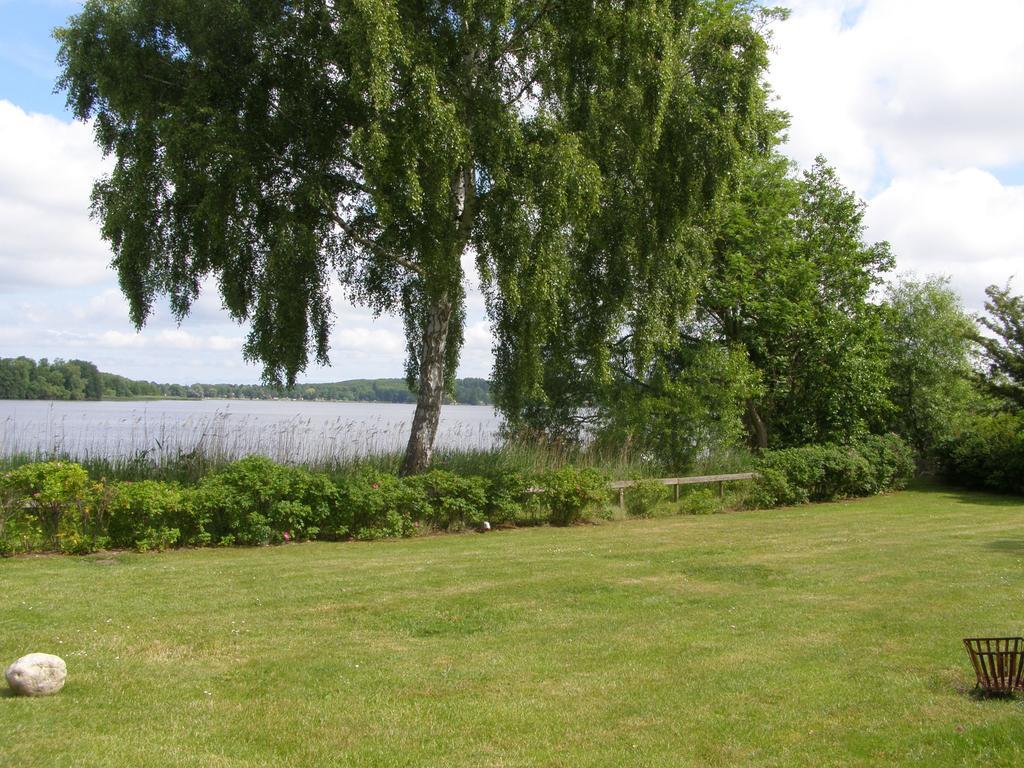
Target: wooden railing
675	482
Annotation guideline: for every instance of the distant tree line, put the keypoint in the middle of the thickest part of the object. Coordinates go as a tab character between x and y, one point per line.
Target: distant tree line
22	378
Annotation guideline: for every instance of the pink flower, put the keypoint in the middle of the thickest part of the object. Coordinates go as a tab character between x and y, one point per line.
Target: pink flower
287	536
375	486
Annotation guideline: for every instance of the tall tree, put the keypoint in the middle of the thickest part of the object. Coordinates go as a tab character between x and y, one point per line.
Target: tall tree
1004	349
790	281
277	144
931	351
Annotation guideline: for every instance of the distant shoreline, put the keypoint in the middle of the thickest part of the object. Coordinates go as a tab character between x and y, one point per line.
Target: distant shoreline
22	378
172	398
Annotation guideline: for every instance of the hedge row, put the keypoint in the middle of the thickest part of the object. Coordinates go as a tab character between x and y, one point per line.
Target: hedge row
871	465
55	506
986	453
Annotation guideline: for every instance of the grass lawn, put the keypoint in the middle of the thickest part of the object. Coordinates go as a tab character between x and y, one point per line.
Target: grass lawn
818	636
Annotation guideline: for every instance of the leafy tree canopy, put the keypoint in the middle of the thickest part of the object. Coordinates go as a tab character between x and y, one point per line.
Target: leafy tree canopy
790	281
931	351
278	145
782	323
1004	349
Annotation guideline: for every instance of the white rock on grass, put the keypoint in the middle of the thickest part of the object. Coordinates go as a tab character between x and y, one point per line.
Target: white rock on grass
38	674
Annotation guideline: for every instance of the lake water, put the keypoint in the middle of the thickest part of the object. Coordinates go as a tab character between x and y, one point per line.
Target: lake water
281	429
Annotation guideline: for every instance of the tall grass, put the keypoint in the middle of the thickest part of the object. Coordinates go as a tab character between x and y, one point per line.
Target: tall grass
191	466
224	435
185	450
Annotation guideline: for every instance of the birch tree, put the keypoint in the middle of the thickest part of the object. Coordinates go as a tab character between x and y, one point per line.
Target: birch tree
275	146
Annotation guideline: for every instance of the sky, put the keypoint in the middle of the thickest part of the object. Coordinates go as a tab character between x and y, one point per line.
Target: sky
917	103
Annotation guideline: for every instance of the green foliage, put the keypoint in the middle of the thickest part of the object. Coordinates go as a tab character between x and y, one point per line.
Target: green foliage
700	501
1004	350
644	497
453	502
52	505
151	515
691	405
255	501
12	519
780	339
891	459
274	147
828	472
790	281
570	493
986	451
55	506
381	506
506	497
931	345
24	379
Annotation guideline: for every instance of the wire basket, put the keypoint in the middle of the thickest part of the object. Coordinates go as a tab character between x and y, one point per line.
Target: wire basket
998	663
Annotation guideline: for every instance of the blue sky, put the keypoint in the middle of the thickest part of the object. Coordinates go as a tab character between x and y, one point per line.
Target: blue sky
27	51
916	102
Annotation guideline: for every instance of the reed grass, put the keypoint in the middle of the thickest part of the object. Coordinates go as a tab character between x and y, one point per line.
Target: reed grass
133	447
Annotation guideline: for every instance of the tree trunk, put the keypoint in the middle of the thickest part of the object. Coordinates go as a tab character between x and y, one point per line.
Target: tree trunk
428	401
757	427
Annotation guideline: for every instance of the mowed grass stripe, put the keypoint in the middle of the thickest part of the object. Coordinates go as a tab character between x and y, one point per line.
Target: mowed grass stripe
823	635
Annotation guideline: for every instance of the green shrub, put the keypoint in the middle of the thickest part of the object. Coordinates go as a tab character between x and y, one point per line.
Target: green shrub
772	489
53	506
786	477
891	459
569	493
506	497
453	502
700	501
642	498
844	473
150	515
986	452
873	464
255	501
380	506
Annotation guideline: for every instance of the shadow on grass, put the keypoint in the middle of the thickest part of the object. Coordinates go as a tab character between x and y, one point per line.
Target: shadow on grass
986	498
1009	546
978	694
964	495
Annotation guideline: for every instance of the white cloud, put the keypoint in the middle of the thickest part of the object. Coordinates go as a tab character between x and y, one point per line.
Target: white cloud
115	339
964	224
377	340
912	85
916	105
47	168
